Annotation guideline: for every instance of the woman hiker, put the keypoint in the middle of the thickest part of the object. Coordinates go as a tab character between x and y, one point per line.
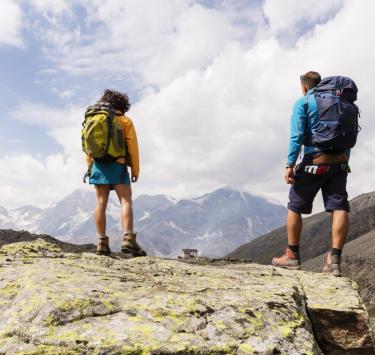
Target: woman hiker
114	175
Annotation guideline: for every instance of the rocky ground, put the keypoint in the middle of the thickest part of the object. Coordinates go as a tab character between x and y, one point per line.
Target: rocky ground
358	263
56	302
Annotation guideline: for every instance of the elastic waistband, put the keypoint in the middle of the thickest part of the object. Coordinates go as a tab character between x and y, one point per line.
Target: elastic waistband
330	159
326	159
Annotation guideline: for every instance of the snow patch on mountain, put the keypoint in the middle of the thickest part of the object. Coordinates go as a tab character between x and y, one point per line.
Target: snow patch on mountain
209	236
171	224
145	216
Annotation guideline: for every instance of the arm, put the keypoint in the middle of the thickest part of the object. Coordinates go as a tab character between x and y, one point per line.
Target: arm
297	131
89	160
132	146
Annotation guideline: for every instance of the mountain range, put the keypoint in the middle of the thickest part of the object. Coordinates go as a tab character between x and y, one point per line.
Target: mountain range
215	223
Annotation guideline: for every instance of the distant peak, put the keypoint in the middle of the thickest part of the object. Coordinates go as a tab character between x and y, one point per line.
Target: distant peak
231	189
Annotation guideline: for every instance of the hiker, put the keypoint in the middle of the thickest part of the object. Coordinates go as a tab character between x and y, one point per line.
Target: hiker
110	143
325	122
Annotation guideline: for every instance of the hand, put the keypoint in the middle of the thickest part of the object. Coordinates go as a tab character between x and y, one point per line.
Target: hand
134	178
289	176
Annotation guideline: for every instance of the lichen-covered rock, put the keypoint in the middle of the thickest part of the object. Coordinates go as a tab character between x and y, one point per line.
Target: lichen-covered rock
53	302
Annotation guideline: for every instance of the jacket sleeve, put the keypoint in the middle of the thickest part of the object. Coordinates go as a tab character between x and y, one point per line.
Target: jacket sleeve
132	147
297	131
89	160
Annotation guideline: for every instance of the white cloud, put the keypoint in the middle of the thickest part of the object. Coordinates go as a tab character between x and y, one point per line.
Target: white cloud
228	123
28	179
51	10
287	14
154	42
214	108
10	24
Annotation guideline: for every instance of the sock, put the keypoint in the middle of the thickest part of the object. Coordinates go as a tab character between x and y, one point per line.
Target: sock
100	236
294	248
336	252
129	231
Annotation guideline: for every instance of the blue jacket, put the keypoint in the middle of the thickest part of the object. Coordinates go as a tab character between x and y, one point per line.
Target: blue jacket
301	123
304	118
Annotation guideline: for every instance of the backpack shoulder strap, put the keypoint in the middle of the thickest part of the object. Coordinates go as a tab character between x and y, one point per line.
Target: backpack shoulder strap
307	104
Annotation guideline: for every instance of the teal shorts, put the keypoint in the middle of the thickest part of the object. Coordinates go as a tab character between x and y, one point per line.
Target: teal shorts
109	174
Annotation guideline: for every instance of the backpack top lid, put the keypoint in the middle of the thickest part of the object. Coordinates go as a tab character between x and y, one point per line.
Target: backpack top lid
341	85
101	106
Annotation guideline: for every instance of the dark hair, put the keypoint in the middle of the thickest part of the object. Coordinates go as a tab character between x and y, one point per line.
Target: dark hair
117	99
311	79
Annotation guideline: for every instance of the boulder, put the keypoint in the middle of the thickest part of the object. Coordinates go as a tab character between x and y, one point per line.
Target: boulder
54	302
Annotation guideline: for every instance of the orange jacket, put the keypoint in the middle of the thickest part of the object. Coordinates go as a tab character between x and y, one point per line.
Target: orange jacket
130	135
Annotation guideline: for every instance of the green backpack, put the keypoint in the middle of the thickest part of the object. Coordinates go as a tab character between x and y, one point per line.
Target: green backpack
102	133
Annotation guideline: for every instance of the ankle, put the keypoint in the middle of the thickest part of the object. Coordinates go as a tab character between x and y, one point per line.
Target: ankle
294	248
335	251
130	234
101	236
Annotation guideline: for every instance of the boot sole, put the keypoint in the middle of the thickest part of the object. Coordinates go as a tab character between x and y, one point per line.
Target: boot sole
132	252
288	267
104	253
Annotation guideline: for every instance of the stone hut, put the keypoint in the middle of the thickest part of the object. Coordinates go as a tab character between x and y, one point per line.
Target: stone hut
189	253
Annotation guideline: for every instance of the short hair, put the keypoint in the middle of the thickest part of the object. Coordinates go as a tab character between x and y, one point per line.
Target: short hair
311	79
118	100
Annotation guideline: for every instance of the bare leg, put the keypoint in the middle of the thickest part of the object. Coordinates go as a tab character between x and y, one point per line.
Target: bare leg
102	195
340	227
294	227
290	258
124	193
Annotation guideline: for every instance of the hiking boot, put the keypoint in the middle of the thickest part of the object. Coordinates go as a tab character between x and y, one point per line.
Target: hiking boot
289	260
102	247
130	245
332	265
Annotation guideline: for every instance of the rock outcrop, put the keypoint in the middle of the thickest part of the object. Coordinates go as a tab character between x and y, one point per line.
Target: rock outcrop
54	302
8	236
358	263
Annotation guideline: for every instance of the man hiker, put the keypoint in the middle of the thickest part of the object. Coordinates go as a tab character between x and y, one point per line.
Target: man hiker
110	143
323	167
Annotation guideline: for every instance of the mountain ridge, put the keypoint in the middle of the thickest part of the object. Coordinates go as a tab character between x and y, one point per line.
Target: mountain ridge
214	222
316	233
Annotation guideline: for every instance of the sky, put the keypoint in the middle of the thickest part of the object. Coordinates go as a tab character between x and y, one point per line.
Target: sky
211	82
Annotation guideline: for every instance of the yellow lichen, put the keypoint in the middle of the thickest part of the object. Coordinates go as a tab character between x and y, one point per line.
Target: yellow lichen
246	348
10	289
30	249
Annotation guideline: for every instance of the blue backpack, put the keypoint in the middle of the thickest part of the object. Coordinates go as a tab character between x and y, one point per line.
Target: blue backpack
337	127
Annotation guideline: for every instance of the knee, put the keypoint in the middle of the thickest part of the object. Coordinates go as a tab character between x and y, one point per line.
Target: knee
101	205
126	202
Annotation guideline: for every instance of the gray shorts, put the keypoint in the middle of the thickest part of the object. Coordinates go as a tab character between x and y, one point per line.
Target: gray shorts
310	178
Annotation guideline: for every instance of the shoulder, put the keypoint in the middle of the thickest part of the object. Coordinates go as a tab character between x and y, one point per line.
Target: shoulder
300	102
299	105
125	120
